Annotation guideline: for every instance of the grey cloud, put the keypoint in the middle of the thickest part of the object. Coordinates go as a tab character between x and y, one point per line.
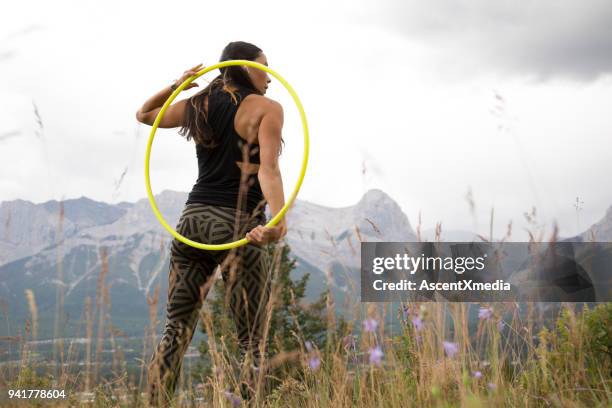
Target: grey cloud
7	55
7	135
543	38
24	31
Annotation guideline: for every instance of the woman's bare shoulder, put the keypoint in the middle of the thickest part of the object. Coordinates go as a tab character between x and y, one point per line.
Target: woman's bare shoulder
260	105
262	100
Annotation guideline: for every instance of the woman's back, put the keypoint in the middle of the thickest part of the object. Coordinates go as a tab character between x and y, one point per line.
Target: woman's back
220	168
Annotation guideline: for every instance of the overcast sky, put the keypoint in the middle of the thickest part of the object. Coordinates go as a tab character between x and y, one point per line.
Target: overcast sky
424	100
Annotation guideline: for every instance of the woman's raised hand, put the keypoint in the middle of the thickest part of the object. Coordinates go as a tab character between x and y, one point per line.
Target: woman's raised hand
188	73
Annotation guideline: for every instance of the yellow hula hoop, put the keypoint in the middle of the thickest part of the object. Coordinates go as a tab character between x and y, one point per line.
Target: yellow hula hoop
288	203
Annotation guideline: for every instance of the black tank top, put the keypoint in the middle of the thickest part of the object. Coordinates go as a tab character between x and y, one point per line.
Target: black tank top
218	173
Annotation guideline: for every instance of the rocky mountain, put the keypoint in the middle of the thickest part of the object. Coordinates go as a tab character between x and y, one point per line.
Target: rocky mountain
26	228
66	245
600	231
329	236
53	245
429	234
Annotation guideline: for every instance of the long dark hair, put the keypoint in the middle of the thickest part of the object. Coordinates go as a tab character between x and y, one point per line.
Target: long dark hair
196	121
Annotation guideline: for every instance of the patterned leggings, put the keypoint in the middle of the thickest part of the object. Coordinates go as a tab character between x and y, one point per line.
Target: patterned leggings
245	271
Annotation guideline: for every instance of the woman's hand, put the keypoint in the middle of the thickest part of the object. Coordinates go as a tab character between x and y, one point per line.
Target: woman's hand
261	234
189	73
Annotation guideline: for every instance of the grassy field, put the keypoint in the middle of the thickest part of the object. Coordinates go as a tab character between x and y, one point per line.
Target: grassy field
441	355
436	359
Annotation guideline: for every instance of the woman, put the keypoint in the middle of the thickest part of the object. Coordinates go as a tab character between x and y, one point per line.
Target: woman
237	133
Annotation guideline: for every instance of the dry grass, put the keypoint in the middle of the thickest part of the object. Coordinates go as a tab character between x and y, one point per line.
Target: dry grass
435	358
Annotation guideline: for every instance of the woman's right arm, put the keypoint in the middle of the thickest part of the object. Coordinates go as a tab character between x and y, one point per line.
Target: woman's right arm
174	113
269	175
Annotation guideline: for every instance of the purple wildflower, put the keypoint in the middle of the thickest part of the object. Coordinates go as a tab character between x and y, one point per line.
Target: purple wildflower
485	313
376	355
308	345
234	399
491	386
314	363
405	311
370	325
450	348
500	325
418	323
477	374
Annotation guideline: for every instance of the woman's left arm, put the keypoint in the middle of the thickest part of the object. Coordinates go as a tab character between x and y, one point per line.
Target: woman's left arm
173	117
